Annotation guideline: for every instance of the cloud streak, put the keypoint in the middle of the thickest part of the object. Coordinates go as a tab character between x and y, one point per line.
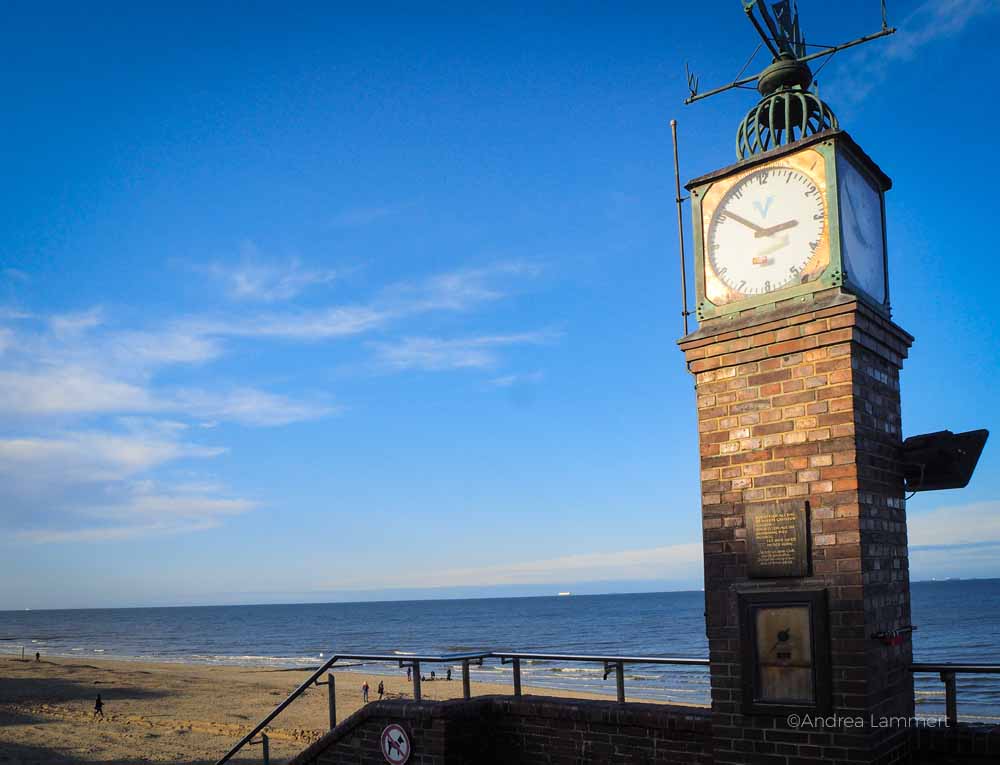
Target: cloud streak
82	458
94	485
930	22
431	354
255	279
664	562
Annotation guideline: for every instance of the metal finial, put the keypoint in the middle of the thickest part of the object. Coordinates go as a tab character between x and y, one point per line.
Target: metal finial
787	111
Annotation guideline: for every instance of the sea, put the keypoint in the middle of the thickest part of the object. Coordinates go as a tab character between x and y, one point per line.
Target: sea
957	621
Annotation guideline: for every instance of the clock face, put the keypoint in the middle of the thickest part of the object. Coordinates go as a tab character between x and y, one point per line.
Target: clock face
767	230
861	236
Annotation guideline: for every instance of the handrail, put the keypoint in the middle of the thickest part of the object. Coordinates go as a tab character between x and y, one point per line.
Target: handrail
278	710
981	669
948	672
415	660
683	661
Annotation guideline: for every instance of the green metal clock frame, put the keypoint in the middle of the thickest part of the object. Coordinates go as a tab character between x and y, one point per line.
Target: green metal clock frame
830	144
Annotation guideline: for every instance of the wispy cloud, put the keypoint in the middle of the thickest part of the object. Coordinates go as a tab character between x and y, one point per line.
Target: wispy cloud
69	389
356	217
436	354
956	525
68	324
105	414
142	514
454	291
666	562
15	274
91	456
250	406
509	381
255	278
930	22
94	484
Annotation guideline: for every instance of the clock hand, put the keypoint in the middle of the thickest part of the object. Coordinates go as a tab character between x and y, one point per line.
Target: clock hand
745	222
776	229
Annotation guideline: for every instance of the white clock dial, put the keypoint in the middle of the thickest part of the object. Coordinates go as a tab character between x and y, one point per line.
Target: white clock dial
861	241
765	230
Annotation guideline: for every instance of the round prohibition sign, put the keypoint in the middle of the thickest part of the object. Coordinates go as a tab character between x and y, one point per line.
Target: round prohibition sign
395	744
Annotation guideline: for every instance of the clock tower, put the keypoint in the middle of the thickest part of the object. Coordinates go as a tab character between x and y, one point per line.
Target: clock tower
796	363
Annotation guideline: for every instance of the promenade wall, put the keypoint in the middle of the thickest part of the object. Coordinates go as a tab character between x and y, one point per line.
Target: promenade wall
553	731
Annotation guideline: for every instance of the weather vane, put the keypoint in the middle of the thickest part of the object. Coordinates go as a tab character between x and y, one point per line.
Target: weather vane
788	109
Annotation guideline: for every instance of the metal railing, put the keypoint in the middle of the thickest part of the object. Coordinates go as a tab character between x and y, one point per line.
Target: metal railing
611	664
948	673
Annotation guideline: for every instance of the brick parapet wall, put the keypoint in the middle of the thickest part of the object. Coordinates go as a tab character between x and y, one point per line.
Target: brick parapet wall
803	406
545	730
963	745
442	733
550	731
536	729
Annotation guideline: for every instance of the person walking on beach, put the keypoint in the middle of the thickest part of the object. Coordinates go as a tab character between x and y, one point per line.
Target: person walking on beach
99	707
409	674
381	690
364	692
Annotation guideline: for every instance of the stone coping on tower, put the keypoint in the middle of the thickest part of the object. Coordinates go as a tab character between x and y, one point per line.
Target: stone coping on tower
792	326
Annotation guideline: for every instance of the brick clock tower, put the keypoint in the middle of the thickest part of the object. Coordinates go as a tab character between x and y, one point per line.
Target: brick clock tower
796	364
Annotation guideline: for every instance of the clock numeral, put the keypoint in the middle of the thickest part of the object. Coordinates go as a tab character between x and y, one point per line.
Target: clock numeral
818	216
812	191
794	270
738	194
723	271
762	178
720	219
767	286
741	286
813	245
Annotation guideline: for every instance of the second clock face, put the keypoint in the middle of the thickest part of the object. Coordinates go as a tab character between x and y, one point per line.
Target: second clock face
766	230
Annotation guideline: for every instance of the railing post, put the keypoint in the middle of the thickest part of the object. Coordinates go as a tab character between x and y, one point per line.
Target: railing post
950	698
416	681
267	748
466	686
331	695
517	677
620	678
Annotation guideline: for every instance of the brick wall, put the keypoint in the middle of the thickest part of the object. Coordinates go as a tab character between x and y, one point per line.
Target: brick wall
550	731
530	729
544	730
964	745
803	406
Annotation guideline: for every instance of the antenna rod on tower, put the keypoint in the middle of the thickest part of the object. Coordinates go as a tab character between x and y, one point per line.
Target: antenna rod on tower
680	228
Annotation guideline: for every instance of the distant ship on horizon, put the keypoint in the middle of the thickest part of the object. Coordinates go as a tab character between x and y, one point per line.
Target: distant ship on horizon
563	594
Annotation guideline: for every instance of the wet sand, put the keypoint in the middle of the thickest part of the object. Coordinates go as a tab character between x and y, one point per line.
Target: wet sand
177	713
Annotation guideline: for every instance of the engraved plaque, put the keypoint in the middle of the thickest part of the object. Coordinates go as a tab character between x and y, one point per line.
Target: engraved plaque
778	541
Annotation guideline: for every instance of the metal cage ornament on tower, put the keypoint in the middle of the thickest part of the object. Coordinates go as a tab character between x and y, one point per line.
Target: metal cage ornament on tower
787	115
788	111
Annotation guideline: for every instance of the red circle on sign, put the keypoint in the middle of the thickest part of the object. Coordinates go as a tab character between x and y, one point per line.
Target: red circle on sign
395	744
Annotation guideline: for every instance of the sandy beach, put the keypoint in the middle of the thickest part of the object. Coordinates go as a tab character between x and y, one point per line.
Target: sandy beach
175	713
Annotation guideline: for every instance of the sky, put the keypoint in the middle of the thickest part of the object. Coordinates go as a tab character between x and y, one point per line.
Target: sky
357	301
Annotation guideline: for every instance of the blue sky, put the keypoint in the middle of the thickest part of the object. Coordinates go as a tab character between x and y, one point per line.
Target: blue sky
299	303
